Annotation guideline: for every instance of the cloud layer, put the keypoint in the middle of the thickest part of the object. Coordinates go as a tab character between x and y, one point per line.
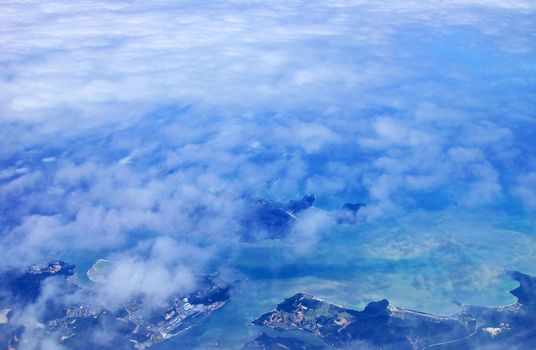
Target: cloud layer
140	131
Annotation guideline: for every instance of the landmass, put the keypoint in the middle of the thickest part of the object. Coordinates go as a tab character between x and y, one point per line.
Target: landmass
267	219
272	219
98	273
75	325
382	326
266	342
22	287
4	314
348	214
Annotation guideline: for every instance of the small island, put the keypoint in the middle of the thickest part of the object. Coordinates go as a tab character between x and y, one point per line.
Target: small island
100	270
268	219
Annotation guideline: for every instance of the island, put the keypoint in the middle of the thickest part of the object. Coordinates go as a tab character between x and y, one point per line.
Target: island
348	213
268	219
100	270
22	287
382	326
271	219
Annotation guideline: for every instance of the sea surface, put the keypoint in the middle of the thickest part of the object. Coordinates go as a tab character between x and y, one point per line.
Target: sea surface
420	261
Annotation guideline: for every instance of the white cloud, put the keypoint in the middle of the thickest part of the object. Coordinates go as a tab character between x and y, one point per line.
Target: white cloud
88	63
163	117
526	189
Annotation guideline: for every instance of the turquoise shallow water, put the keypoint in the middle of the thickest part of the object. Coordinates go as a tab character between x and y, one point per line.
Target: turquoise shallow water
423	261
